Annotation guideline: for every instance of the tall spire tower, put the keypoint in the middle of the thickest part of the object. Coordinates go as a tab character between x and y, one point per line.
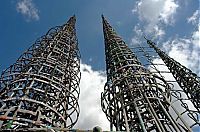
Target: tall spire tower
134	99
41	89
186	79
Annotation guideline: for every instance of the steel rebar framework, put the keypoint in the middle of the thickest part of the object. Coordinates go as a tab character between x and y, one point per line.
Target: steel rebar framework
134	99
179	99
187	80
41	89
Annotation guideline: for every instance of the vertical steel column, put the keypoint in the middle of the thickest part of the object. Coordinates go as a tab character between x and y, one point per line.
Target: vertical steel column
41	89
134	99
187	80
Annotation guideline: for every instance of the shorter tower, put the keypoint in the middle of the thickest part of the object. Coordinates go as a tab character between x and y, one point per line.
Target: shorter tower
41	89
134	99
186	79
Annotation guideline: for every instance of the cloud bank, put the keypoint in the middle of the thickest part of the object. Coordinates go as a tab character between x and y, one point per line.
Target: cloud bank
194	19
155	14
91	86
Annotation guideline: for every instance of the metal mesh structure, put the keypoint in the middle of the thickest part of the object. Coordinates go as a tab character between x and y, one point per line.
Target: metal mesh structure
187	80
41	89
179	99
134	98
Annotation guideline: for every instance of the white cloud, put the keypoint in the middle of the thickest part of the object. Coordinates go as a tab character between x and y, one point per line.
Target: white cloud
196	36
168	11
91	86
194	19
149	10
135	41
186	51
138	34
158	31
155	11
156	14
28	9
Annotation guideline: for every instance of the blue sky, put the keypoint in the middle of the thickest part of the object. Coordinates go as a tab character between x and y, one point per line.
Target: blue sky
19	31
24	29
173	24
